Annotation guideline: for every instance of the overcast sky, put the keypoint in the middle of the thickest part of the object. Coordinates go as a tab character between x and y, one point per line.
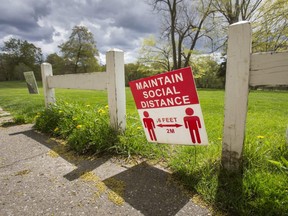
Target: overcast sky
118	24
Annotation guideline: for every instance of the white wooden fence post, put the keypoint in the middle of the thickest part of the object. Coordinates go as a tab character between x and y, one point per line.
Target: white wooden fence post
49	93
116	88
236	93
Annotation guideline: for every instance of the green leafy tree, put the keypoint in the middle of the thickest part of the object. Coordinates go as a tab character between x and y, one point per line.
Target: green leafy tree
18	56
156	54
228	12
58	63
5	73
269	20
134	71
80	51
271	27
205	71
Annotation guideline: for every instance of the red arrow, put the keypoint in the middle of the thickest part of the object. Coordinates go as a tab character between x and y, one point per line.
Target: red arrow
169	125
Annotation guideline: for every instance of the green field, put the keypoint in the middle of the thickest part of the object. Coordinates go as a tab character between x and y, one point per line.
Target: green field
262	187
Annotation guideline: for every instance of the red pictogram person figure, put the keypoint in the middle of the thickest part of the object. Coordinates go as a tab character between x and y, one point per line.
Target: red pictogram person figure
193	124
149	124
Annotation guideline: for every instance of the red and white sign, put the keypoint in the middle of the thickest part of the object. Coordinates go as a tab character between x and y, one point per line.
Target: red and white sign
169	108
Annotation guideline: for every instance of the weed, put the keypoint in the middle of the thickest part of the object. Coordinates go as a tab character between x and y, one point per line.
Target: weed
86	129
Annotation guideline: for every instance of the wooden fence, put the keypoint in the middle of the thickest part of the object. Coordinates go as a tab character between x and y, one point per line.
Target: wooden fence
113	80
245	69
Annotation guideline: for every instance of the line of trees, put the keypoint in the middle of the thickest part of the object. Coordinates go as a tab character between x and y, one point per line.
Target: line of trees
185	25
18	56
78	55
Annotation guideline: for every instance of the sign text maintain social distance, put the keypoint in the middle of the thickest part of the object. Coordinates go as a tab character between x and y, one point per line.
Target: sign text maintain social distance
164	91
169	108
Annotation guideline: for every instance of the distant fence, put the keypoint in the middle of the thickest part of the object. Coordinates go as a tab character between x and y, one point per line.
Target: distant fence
113	80
245	69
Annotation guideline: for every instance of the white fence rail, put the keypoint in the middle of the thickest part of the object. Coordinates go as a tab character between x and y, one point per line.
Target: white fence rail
89	81
269	69
243	70
112	80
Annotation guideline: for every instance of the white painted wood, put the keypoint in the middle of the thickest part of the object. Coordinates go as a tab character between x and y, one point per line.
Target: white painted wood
49	93
116	88
90	81
236	93
31	82
113	80
269	69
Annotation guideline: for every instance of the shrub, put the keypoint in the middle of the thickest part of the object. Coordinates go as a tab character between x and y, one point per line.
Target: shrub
86	129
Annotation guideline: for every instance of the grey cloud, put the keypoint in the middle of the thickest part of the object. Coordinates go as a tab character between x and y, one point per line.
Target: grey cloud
139	23
21	19
38	20
130	14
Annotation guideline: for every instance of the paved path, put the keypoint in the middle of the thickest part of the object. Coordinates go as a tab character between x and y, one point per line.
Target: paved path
39	177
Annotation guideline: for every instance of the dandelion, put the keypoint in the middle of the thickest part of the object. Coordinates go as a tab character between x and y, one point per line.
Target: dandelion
56	129
139	128
38	115
106	107
260	137
79	126
101	111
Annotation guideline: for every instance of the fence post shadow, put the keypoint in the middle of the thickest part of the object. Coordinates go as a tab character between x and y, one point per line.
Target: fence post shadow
229	192
83	164
151	191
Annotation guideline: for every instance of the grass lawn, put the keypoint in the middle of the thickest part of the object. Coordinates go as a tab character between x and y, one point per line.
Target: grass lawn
262	187
14	97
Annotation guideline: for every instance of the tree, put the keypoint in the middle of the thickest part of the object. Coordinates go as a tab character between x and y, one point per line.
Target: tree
183	26
5	73
269	20
57	63
236	10
157	54
205	71
228	12
18	56
80	51
271	27
134	71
